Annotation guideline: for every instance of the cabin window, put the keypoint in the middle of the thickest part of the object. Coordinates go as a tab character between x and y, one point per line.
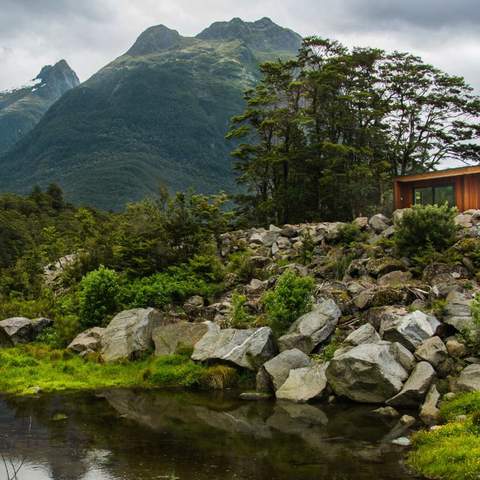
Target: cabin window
434	195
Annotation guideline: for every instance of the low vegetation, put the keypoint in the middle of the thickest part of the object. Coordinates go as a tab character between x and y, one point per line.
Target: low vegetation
452	451
31	368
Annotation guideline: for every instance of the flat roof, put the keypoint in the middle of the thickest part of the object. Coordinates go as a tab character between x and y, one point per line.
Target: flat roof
449	172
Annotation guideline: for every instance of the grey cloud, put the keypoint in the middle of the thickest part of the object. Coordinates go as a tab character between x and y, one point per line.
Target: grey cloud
90	33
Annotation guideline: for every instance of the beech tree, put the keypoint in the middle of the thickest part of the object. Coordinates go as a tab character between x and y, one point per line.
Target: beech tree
323	134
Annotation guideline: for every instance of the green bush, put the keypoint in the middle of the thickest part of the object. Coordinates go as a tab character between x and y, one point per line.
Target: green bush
425	228
290	299
240	318
98	297
350	233
241	264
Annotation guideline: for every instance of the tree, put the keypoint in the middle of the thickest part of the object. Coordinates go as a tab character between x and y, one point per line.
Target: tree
323	134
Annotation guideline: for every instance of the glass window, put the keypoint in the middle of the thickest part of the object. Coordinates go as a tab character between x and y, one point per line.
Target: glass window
423	196
434	195
444	194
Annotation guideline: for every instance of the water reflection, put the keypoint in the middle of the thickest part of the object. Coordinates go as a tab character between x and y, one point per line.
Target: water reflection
131	435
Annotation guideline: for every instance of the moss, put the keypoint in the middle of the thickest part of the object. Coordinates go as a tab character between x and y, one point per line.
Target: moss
453	450
25	369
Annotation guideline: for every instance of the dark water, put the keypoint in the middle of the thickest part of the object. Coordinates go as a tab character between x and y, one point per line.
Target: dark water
136	435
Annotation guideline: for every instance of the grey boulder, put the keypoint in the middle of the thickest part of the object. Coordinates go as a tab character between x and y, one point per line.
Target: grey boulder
469	379
415	388
457	311
432	350
88	341
410	330
168	338
313	328
22	330
245	348
129	334
276	371
368	373
364	334
304	384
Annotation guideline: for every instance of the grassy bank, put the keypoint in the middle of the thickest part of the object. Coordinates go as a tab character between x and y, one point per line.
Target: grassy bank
25	369
451	452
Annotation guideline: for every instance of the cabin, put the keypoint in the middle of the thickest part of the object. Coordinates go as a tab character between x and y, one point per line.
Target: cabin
460	187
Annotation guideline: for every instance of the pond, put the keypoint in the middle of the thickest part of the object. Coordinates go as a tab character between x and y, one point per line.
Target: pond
139	435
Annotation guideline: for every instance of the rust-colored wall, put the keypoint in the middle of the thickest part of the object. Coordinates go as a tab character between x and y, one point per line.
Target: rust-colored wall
467	190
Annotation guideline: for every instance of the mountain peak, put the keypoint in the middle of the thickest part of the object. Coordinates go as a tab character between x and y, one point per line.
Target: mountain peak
59	74
154	39
261	35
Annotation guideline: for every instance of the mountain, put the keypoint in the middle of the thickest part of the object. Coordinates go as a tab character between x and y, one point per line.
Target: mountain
22	108
156	115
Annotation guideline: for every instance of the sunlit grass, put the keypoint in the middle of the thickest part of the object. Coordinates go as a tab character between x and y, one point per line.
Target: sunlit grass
24	370
451	452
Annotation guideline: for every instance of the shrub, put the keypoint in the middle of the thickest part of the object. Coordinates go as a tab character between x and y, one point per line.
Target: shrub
308	248
350	233
241	264
425	227
290	299
98	297
240	318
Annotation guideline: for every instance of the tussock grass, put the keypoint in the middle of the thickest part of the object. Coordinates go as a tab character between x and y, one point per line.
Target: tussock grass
25	369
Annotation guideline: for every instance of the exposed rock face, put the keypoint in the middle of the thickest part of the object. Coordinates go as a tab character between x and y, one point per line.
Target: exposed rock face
368	373
410	330
313	328
23	330
276	370
129	334
432	350
168	338
469	379
415	388
304	384
245	348
88	341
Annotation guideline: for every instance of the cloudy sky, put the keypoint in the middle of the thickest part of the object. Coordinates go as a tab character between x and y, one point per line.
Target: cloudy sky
90	33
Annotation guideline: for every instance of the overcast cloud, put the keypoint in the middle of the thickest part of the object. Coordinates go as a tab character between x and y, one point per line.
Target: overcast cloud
90	33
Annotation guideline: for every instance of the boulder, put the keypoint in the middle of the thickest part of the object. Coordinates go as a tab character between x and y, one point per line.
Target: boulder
410	330
456	349
361	222
367	373
415	388
23	330
395	279
364	334
457	311
313	328
381	296
274	372
429	413
377	267
463	220
469	379
383	315
129	334
432	350
89	341
194	305
304	384
386	412
245	348
379	223
168	338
